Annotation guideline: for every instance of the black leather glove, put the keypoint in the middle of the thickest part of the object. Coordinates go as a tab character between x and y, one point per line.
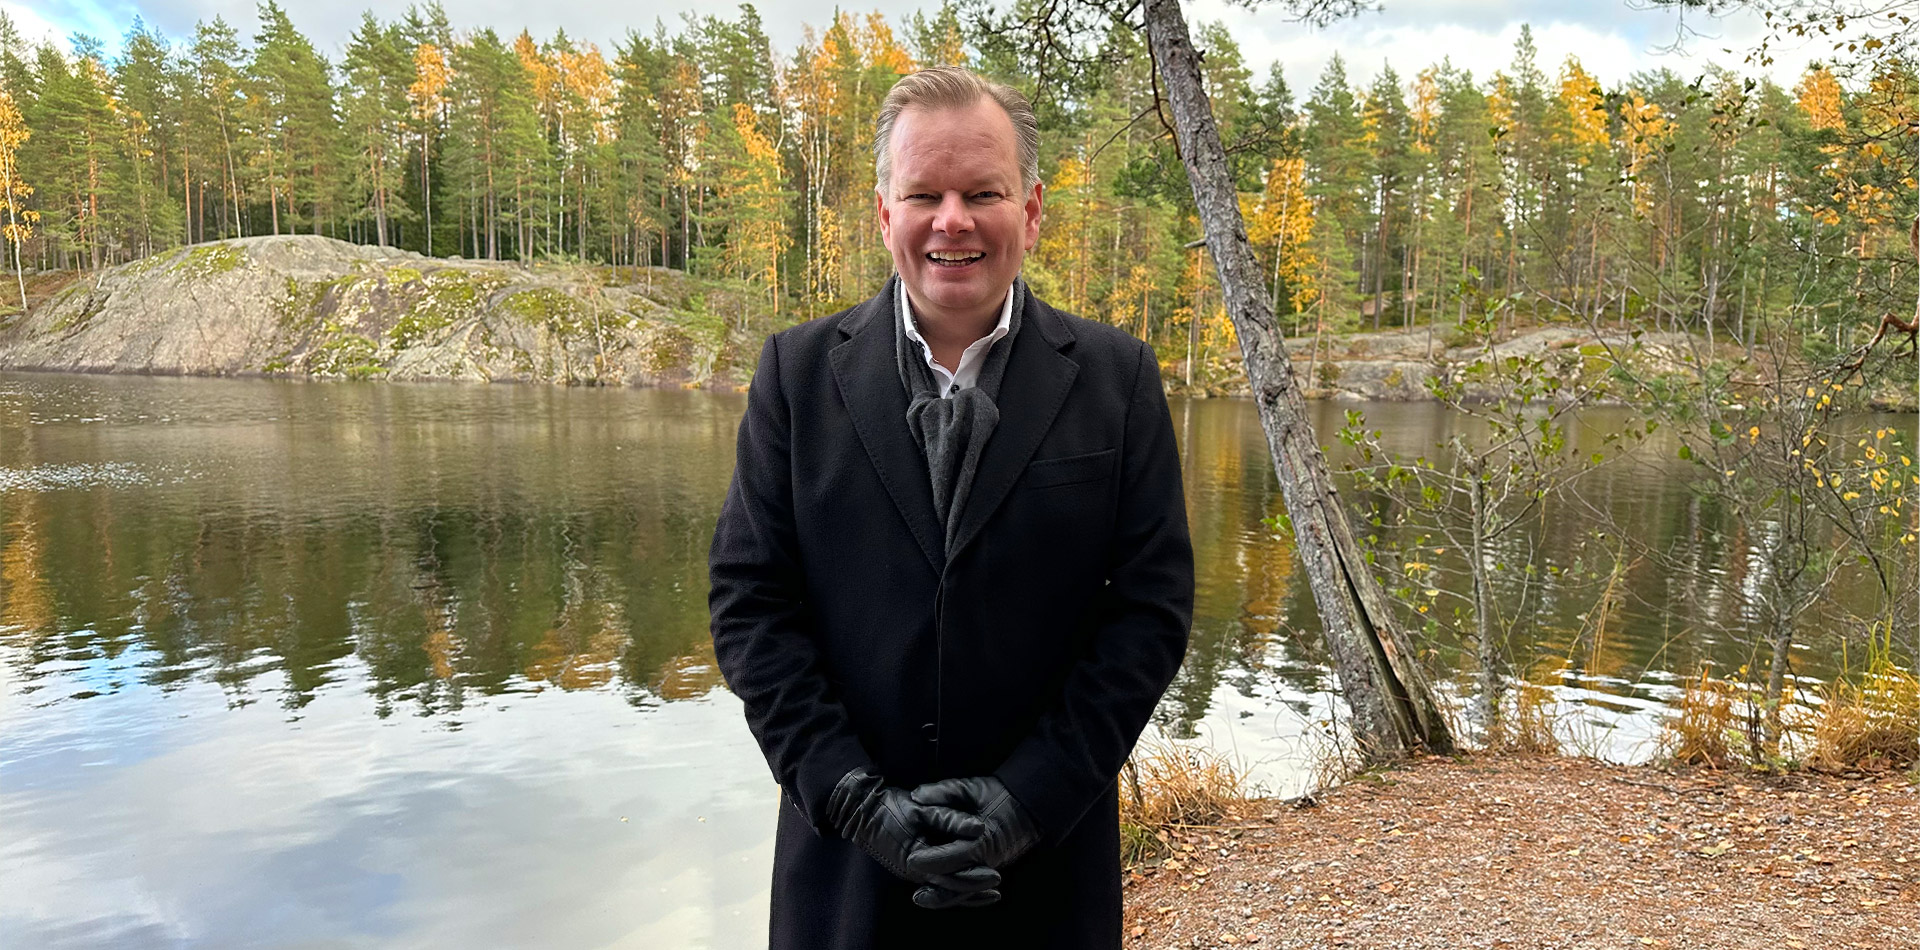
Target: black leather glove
938	897
890	826
1008	831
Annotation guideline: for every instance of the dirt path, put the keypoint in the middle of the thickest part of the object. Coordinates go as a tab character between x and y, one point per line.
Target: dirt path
1549	852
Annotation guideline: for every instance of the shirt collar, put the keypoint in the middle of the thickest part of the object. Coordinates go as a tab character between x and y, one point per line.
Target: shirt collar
913	329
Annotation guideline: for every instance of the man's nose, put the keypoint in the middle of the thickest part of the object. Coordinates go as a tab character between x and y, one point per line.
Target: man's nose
953	216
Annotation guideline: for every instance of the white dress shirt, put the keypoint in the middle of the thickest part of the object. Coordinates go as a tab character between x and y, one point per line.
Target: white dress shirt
968	372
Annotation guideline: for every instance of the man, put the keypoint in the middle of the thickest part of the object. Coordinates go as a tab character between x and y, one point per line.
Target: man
952	577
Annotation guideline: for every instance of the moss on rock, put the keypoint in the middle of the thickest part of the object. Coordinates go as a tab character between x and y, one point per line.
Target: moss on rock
543	305
344	353
206	260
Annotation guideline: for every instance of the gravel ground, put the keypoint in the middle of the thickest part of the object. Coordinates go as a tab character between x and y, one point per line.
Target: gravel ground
1531	852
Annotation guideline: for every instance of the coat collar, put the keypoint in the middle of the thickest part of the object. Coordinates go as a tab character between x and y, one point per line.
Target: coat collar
1038	377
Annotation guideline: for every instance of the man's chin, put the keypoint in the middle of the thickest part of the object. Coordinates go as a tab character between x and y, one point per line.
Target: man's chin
962	293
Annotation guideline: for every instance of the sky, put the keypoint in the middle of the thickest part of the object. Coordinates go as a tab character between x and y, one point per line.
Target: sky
1613	38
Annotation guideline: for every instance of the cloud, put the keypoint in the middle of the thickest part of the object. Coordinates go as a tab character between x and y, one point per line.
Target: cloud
1611	40
329	24
33	27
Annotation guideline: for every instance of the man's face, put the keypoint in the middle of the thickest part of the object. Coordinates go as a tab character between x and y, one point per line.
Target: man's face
954	216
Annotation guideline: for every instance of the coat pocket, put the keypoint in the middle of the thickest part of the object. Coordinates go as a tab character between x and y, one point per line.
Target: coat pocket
1071	470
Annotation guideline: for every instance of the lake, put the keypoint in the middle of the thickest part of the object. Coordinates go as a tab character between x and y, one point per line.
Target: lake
384	665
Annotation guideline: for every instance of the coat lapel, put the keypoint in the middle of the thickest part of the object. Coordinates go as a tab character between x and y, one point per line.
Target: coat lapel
1034	388
865	368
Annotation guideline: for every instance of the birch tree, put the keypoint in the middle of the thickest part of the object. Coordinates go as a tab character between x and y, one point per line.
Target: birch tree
18	226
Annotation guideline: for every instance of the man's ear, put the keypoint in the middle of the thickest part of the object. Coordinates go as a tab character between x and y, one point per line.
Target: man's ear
886	221
1033	215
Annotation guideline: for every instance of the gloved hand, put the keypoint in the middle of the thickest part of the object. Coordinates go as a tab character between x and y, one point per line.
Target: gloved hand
1007	830
889	826
939	896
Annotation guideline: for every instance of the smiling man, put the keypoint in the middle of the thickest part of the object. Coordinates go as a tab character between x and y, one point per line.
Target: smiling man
952	577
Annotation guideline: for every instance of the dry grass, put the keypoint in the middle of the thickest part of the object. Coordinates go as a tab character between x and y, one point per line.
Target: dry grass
1700	734
1527	726
1872	723
1167	786
1869	720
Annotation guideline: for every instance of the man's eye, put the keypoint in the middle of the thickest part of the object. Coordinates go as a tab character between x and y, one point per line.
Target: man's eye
987	196
922	197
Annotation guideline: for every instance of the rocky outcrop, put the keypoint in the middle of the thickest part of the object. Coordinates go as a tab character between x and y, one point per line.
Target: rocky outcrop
1405	365
306	305
1402	365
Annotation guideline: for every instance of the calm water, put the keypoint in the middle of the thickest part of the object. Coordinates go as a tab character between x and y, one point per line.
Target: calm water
315	664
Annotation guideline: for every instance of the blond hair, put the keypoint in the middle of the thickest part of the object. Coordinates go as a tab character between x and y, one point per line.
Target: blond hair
954	87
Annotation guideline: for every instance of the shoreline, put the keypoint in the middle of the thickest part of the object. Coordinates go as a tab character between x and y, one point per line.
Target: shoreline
728	383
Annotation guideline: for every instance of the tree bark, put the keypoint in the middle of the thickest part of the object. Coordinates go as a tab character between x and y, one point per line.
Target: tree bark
1394	709
1491	682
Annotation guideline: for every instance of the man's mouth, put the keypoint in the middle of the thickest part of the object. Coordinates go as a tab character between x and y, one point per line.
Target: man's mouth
954	258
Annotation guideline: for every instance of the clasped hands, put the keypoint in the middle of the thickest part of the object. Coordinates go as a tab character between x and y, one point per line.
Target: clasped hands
985	827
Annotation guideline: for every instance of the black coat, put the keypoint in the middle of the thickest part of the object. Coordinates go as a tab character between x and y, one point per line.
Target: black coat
1035	653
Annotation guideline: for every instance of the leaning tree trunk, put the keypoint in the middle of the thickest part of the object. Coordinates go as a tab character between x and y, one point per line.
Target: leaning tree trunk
1393	708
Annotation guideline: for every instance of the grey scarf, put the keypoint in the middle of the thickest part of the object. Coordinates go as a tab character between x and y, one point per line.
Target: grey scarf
952	432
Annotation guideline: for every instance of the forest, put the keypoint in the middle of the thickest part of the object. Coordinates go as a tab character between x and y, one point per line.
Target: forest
1716	204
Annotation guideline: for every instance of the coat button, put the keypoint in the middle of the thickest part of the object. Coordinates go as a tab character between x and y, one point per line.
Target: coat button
931	731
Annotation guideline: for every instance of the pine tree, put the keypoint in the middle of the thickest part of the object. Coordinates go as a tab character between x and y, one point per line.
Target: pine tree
1338	186
213	138
378	72
1385	124
634	189
939	40
291	114
74	153
494	142
149	117
1466	235
1529	174
16	73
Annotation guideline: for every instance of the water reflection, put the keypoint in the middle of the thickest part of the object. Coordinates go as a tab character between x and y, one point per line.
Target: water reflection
450	539
390	664
1610	644
461	540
